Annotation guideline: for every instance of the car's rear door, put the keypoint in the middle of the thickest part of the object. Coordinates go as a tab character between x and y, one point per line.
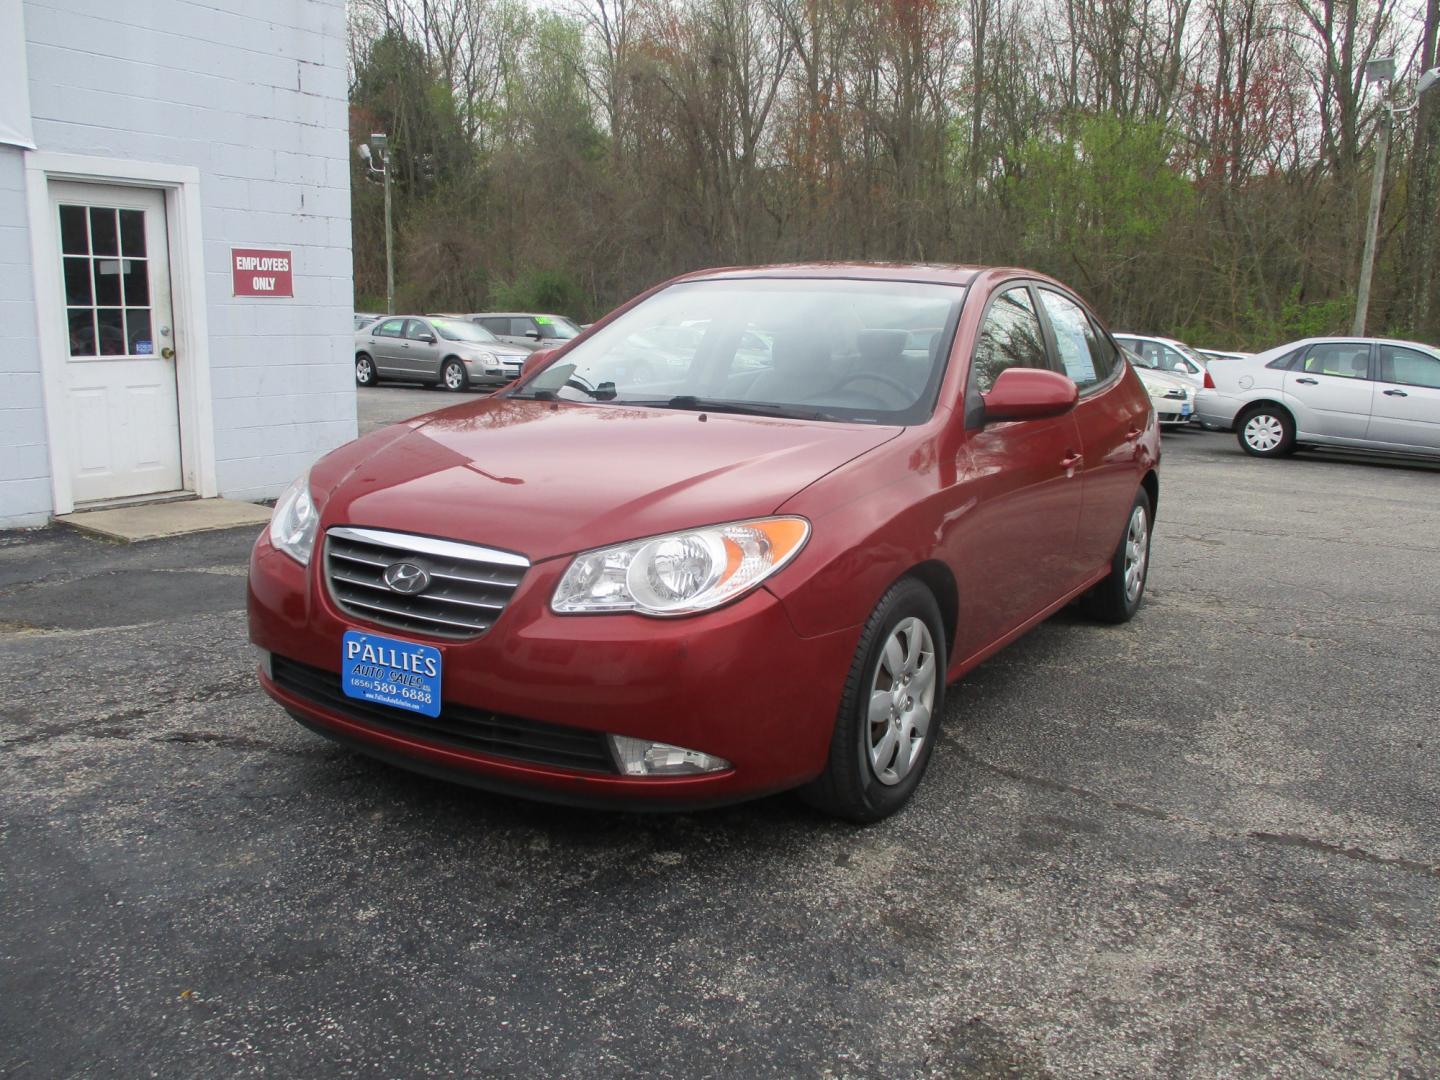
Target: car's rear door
386	337
1023	494
1111	416
1330	391
1406	408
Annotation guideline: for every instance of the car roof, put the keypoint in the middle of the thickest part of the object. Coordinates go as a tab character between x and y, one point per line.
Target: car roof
932	273
513	315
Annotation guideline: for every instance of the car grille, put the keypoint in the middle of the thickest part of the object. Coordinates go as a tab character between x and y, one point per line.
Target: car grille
469	585
457	726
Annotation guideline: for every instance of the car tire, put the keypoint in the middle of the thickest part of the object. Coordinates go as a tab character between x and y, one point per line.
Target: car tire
1266	431
1118	597
453	377
365	370
876	759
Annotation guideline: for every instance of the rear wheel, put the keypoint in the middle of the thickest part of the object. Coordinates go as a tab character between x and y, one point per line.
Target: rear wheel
452	375
890	713
1117	598
1266	431
364	370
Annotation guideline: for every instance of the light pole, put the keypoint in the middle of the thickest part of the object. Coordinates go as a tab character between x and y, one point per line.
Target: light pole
1381	71
378	147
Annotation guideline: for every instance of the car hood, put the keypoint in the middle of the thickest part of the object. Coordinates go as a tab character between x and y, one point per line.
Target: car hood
1162	380
552	478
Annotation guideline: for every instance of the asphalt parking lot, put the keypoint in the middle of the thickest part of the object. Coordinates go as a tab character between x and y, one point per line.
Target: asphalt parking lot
1202	844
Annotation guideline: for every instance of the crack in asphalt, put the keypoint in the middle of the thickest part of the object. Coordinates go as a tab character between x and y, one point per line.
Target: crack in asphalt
1309	843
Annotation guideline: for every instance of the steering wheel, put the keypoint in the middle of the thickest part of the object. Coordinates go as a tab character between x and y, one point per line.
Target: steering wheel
875	376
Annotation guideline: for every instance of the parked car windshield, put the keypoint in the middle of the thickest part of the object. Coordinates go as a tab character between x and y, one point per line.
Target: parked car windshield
554	326
462	330
822	349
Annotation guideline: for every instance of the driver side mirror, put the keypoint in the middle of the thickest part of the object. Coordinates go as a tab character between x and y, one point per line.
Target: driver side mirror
429	339
535	361
1029	394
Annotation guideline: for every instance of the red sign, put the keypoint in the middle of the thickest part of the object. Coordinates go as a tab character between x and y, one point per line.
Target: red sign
262	272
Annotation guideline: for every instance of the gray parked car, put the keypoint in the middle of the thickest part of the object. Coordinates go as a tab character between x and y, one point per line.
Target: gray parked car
449	352
1357	393
527	329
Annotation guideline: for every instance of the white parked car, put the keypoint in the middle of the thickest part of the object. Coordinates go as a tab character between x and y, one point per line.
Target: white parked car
1166	354
1220	354
1172	395
1358	393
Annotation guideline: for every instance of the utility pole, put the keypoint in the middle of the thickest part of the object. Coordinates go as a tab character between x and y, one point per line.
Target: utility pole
379	147
1382	70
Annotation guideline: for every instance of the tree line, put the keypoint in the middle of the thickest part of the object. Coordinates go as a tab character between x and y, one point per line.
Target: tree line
1197	167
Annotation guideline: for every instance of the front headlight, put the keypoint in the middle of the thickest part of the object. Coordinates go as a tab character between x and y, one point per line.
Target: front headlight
295	522
680	573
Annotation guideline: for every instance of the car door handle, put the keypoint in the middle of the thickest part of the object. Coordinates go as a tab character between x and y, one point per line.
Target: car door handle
1133	434
1071	459
1394	393
1309	382
405	344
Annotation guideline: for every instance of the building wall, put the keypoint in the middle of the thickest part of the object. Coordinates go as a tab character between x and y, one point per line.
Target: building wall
252	93
24	459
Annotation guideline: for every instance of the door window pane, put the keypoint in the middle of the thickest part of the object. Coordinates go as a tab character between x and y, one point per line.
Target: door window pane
77	281
1086	362
1408	367
496	326
107	281
415	330
104	235
82	331
1346	360
110	325
132	233
74	234
137	332
389	328
136	275
1010	337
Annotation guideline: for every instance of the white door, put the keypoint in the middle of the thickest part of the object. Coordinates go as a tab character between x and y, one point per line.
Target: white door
122	410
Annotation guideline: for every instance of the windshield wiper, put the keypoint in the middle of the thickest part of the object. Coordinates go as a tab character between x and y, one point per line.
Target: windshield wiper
739	408
605	392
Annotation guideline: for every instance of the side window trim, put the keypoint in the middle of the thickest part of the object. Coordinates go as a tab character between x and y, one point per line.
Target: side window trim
1052	344
974	404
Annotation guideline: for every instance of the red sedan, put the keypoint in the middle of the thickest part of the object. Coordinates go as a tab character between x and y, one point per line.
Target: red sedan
736	538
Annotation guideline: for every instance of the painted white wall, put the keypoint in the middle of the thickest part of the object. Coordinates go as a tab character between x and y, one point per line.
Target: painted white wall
24	460
252	93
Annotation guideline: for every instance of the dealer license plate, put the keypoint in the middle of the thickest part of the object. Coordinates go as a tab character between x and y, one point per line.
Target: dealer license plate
387	671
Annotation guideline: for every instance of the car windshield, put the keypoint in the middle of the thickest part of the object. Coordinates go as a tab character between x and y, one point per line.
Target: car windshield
462	330
822	349
555	326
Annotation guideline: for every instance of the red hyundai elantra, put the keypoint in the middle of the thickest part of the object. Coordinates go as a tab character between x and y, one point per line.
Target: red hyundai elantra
736	538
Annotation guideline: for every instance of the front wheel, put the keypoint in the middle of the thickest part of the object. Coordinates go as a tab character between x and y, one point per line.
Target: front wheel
1267	431
889	714
1117	598
453	377
364	370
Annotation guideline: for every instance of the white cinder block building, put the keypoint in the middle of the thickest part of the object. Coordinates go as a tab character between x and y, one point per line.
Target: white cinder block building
175	271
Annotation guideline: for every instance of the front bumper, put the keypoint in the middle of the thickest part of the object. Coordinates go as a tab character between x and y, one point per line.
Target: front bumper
493	372
738	682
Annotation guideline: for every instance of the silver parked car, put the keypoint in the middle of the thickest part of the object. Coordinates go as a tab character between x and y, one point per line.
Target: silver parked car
527	329
1166	354
450	352
1357	393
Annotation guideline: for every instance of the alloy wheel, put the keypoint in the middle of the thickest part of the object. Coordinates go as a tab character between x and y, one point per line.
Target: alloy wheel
902	696
1137	554
364	370
454	377
1264	432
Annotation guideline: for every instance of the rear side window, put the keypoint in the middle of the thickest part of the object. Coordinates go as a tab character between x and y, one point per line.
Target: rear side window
389	328
1087	356
1288	361
496	326
1010	337
1345	360
1407	367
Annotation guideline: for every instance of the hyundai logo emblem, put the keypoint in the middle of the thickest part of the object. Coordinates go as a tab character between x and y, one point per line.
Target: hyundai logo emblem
407	578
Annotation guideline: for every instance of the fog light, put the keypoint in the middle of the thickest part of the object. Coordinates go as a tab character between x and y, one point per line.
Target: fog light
641	757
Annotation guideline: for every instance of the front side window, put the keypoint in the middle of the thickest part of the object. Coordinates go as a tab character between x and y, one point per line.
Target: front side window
1087	357
390	328
553	326
415	330
823	349
1345	360
1407	367
1010	336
